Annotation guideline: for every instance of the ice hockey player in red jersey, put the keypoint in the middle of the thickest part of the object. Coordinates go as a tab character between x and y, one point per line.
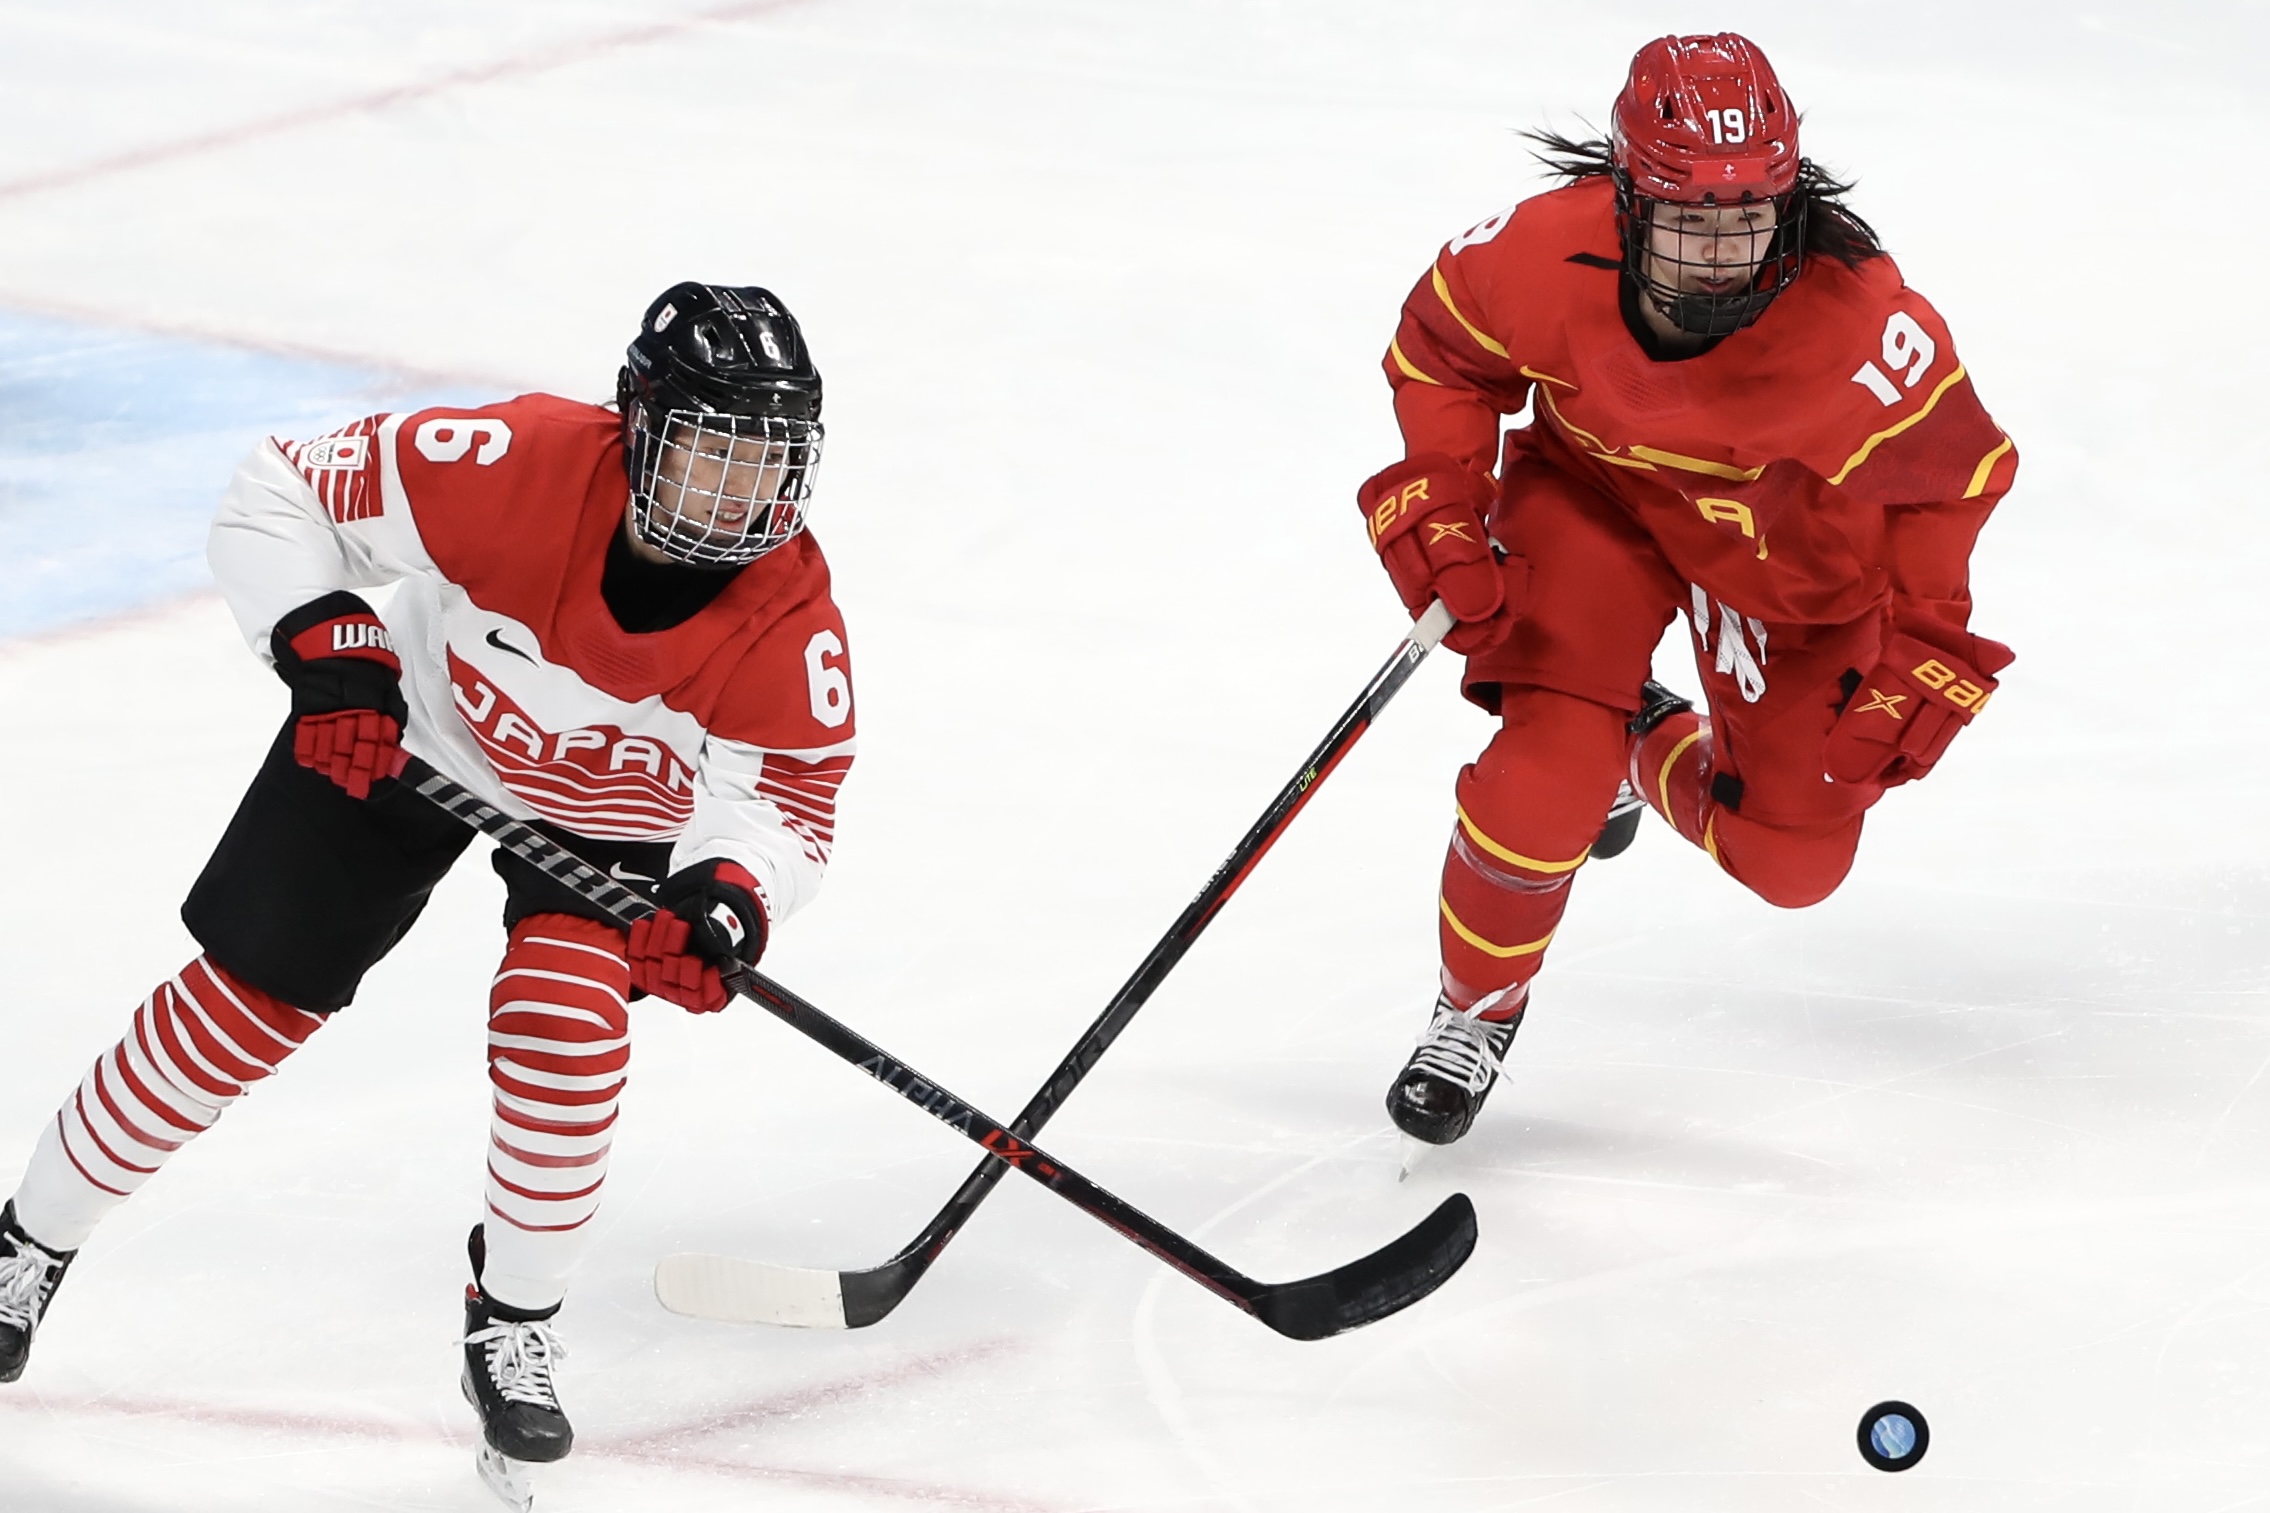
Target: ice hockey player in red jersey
1740	412
609	622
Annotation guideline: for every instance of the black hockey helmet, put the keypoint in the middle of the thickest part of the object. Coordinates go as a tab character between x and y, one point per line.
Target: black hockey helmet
721	424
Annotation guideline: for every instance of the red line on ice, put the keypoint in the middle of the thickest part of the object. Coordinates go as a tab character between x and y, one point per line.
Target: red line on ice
399	377
842	1481
103	625
658	1448
542	61
335	1425
800	1400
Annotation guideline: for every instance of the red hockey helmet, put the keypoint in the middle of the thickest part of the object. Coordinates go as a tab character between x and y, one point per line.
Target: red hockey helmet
1703	122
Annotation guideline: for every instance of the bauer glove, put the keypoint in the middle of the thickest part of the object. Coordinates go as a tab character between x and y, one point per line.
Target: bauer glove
1425	516
710	918
1898	719
346	683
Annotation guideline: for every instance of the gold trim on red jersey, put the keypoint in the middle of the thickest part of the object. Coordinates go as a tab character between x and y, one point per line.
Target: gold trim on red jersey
1643	457
1877	440
1410	369
1482	338
1986	469
1592	443
1697	465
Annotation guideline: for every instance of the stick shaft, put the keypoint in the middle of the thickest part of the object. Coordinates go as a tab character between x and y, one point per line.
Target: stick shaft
1243	858
903	1270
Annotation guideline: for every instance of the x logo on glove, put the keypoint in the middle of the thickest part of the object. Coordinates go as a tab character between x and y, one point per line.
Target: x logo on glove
1888	702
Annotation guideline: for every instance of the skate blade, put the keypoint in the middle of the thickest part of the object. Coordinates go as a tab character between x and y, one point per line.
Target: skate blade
513	1481
1414	1152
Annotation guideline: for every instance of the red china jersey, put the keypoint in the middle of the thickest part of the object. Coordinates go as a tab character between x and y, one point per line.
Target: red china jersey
727	734
1825	462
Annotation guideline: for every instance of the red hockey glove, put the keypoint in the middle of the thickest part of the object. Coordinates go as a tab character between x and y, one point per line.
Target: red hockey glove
1425	516
346	685
352	747
710	918
1900	717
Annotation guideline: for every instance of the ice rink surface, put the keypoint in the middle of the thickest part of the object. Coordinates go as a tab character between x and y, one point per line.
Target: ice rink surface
1100	290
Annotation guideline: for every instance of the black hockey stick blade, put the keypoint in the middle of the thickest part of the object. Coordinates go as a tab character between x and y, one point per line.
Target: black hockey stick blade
1368	1289
1387	1281
738	1291
1313	1308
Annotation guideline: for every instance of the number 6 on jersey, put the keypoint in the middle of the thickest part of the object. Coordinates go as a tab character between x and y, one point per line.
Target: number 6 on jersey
831	689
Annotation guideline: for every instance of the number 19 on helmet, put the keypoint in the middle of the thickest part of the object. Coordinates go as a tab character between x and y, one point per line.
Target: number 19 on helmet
1707	174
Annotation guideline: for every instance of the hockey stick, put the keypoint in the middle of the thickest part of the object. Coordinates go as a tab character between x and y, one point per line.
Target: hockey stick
1369	1288
755	1292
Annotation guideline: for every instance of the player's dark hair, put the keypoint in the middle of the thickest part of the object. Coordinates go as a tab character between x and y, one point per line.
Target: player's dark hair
1832	228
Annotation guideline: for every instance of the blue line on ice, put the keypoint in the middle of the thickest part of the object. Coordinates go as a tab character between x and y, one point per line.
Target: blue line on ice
115	445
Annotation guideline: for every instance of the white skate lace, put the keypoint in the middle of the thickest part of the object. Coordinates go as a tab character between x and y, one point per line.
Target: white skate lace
519	1360
26	1278
1460	1046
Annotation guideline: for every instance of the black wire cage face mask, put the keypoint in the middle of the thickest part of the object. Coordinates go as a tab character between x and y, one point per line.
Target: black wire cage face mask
720	491
1660	258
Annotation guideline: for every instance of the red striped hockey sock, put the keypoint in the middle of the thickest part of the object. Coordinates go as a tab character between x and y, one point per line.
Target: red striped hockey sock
196	1045
559	1045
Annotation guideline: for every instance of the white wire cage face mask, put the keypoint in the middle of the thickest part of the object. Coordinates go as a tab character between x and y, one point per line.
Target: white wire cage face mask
721	490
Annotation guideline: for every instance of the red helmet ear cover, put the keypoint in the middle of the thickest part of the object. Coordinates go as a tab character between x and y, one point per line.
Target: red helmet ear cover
1705	115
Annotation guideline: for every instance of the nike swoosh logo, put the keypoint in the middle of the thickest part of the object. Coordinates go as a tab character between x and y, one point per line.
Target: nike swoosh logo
619	875
501	644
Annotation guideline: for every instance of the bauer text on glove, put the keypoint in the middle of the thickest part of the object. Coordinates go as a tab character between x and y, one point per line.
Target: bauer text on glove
1900	717
1425	516
710	917
346	683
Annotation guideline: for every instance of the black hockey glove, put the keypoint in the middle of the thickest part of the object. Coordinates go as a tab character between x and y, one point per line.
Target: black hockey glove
710	917
337	659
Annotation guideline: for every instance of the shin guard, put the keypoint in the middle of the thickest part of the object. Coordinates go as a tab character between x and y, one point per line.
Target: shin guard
559	1049
1671	769
195	1046
1528	811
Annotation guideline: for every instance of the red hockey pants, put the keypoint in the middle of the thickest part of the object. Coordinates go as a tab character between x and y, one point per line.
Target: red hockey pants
1747	784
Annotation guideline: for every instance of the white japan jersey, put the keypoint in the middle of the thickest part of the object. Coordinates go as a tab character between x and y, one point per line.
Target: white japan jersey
727	734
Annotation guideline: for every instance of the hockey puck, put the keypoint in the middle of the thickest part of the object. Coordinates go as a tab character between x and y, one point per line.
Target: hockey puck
1893	1436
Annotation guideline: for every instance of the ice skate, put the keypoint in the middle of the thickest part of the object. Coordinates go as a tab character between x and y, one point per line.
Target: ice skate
29	1275
1443	1085
1656	704
509	1354
1622	826
513	1481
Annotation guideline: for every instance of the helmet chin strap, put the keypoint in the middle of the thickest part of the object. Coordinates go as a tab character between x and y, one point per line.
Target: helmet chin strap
1710	314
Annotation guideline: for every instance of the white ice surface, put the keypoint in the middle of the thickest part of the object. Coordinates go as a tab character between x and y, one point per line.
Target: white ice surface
1100	290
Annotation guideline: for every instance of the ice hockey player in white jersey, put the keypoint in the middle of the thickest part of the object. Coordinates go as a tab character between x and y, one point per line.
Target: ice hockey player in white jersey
608	622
